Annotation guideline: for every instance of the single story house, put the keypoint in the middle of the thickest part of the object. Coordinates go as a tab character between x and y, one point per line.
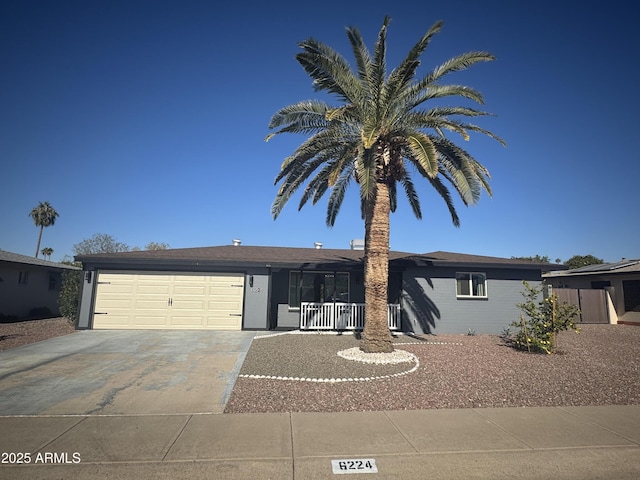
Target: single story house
29	286
268	288
620	279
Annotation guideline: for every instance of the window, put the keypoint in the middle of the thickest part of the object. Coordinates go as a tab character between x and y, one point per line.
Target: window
631	292
23	278
317	287
471	285
53	281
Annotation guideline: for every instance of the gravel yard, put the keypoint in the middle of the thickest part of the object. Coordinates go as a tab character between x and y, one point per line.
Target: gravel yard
304	373
599	366
16	334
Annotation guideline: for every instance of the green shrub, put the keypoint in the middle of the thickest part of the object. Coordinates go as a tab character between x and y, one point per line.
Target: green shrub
69	298
540	321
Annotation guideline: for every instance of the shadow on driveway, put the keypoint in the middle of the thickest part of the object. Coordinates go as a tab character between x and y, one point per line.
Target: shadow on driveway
114	372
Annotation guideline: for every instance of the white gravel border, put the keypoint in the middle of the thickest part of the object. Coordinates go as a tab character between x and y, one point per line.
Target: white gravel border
354	354
401	357
397	356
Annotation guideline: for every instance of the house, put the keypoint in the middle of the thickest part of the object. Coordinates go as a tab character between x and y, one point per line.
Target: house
267	288
620	279
29	286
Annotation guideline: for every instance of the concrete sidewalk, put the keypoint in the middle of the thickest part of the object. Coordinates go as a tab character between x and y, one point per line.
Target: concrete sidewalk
507	443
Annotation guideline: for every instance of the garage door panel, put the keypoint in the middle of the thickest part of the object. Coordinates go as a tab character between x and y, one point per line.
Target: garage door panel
143	304
149	319
160	300
187	290
155	277
115	302
196	322
115	320
117	288
154	290
186	305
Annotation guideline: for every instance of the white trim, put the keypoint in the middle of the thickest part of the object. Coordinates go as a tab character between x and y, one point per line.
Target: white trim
485	284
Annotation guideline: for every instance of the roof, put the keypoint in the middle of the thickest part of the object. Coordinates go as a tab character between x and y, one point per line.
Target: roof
229	255
615	268
451	258
232	255
11	257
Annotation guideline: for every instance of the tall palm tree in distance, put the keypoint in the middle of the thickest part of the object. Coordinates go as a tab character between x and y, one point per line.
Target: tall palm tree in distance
44	215
47	252
381	134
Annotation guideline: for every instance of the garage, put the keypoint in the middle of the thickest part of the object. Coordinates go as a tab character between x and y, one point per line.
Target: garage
168	300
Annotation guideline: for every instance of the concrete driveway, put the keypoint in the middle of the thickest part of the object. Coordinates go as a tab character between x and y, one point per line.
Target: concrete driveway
117	372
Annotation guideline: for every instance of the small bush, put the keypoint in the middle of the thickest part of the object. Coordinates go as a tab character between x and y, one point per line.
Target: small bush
70	294
541	321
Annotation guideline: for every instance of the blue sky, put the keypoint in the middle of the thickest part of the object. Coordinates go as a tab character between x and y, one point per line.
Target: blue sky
146	121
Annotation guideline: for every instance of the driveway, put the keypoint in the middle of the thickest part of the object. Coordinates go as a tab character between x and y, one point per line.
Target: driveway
116	372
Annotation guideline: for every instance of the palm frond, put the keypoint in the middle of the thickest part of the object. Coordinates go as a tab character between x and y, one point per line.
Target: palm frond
462	170
379	65
399	78
329	71
424	152
456	64
420	94
476	128
305	112
412	195
361	54
366	173
337	194
393	197
443	191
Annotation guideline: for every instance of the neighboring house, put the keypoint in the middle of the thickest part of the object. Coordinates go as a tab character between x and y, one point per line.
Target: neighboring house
266	288
28	284
620	279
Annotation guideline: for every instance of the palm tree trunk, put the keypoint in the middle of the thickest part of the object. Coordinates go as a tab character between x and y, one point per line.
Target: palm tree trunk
39	239
376	336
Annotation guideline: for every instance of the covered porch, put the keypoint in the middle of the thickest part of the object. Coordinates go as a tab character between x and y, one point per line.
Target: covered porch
341	316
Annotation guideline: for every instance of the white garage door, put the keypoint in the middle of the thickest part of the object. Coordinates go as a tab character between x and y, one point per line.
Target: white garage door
156	300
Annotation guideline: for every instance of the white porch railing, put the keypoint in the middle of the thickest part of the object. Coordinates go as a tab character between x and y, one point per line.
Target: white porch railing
341	316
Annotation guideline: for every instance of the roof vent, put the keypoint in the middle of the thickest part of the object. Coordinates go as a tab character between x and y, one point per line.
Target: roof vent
357	244
317	245
236	242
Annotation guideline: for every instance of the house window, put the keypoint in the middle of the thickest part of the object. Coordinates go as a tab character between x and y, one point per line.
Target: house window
23	278
53	282
631	292
471	285
318	287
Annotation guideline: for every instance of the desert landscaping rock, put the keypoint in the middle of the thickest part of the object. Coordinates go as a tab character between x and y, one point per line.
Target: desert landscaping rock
599	366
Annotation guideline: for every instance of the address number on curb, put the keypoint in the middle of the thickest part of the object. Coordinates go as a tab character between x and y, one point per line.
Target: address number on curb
354	465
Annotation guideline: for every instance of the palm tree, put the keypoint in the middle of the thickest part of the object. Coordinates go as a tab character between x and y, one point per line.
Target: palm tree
44	215
47	252
380	135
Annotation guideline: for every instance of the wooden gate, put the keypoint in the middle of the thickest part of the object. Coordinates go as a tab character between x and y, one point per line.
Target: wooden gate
591	302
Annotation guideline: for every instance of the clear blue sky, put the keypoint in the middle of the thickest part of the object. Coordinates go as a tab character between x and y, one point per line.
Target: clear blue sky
146	120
